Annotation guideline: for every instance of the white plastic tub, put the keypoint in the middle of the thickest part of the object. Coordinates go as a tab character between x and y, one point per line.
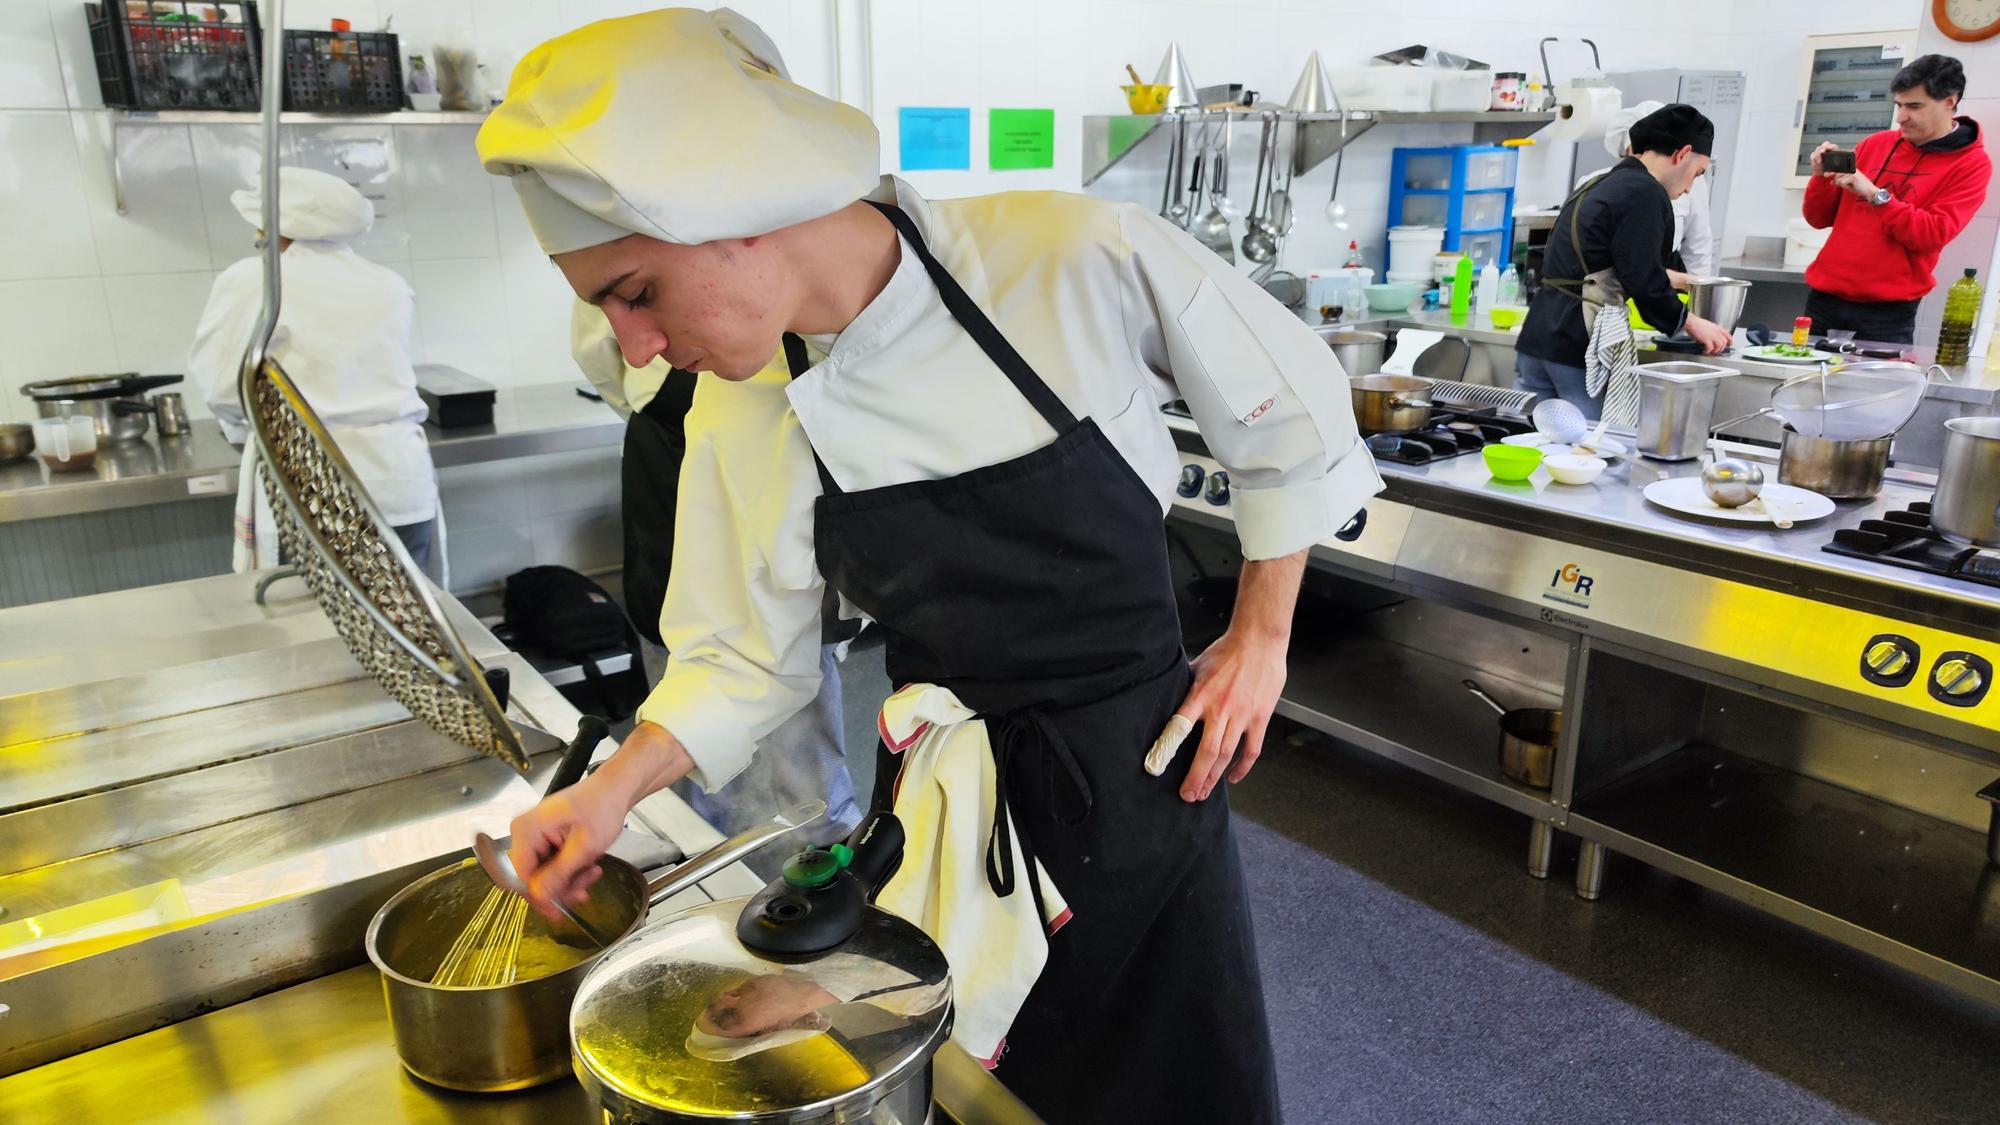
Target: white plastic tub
1405	88
1461	91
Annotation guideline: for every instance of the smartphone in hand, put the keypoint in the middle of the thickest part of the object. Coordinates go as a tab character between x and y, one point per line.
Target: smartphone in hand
1836	160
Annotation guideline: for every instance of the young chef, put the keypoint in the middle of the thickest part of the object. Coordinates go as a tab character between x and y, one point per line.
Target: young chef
964	440
1611	242
804	758
344	338
1913	188
1694	233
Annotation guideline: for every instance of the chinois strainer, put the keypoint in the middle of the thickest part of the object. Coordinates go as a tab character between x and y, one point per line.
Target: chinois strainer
346	551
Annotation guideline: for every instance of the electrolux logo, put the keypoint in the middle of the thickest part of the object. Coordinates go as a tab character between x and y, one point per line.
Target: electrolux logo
1570	586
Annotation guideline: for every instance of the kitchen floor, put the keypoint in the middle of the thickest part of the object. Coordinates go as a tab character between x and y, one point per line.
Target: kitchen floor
1413	971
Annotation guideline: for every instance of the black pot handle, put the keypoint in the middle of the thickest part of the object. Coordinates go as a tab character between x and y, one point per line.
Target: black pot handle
822	897
125	406
590	730
878	851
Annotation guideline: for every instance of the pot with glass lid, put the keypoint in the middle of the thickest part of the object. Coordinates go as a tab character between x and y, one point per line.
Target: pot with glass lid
803	1003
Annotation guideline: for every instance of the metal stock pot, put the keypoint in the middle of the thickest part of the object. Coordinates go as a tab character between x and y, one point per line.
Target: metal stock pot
115	404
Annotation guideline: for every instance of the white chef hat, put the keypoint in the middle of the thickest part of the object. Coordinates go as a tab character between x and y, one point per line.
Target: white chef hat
1618	131
676	124
312	207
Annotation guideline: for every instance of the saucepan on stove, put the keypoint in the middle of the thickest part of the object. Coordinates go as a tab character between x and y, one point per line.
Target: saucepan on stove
1390	404
1528	737
804	1004
479	985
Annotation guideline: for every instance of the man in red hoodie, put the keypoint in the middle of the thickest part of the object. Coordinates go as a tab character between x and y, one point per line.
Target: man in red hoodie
1913	189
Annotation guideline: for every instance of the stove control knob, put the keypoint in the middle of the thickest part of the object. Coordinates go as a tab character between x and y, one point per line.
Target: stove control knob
1889	660
1960	679
1190	485
1218	488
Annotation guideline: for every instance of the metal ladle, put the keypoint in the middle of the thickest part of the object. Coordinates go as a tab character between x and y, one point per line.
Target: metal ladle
1260	241
1211	228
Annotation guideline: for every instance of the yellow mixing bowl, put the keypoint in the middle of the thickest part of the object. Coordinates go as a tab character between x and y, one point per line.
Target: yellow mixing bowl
1146	99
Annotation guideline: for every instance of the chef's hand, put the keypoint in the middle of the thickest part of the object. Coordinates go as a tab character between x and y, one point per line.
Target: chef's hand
1856	182
1238	678
556	843
1707	333
1678	279
1824	147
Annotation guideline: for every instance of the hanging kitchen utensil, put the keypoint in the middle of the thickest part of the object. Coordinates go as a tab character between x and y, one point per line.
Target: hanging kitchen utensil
349	555
1259	237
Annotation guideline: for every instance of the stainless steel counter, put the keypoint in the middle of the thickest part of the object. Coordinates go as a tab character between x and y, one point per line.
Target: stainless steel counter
1765	270
544	418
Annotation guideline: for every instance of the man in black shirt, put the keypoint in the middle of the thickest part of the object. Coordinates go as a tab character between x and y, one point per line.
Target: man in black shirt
1611	242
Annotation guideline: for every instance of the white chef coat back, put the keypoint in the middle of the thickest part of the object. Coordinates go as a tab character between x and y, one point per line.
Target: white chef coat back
344	339
1118	311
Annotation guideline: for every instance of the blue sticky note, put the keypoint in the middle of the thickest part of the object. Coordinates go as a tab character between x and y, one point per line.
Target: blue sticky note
935	138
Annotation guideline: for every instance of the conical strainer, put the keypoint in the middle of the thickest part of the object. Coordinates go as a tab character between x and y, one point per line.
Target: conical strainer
349	555
1852	402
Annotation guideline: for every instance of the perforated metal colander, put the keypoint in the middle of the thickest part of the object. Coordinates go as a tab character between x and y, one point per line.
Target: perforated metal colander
347	552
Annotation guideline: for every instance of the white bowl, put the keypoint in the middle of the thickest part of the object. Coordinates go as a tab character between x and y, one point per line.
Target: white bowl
1574	468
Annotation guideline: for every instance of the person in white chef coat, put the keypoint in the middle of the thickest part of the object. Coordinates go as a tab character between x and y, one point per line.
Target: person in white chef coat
1694	231
343	336
963	438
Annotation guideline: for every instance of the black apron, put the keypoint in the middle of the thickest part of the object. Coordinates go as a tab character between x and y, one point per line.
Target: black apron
649	478
1038	591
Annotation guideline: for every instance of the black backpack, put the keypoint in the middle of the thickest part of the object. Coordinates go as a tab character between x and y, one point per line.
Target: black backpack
555	610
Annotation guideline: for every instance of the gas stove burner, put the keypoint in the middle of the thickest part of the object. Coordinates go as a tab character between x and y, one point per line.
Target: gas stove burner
1450	434
1908	540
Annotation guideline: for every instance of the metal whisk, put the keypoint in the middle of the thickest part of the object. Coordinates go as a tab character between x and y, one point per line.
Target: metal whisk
487	951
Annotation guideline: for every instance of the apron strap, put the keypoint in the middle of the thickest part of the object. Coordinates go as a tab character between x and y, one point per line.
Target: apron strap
799	363
975	322
1011	734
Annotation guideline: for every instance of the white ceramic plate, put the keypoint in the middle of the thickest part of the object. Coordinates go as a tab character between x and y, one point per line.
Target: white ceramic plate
1767	355
1611	449
1684	495
1524	439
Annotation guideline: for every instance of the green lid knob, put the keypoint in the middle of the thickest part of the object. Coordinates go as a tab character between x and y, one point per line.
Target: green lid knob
816	867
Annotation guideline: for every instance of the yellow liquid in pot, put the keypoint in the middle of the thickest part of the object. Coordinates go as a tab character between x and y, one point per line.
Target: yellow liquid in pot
637	1042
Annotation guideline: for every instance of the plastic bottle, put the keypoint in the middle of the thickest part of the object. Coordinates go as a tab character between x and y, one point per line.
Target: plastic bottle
1356	297
1510	286
1354	258
1961	312
1461	292
1489	286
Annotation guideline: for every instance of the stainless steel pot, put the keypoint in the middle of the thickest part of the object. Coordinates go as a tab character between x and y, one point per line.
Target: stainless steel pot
1528	738
1719	299
1839	470
802	1004
1966	507
116	404
1390	404
16	442
1359	351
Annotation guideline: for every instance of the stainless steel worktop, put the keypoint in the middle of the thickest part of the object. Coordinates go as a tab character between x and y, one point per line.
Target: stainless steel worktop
538	419
1767	270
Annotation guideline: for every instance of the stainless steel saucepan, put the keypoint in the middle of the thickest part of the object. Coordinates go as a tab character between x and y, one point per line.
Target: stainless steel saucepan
1390	404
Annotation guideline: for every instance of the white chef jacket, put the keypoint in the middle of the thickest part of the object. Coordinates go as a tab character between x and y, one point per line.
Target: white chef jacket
624	389
1117	310
344	339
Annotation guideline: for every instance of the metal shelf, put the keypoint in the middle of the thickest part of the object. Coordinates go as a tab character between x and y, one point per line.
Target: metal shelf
123	118
1110	138
1908	888
1409	706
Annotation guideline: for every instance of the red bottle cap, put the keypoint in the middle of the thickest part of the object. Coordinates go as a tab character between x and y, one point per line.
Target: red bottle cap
342	25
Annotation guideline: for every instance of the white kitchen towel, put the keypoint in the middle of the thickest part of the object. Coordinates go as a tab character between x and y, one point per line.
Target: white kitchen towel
1607	365
944	796
254	546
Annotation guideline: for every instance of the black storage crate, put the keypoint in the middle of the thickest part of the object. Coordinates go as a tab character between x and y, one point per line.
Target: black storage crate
175	58
343	72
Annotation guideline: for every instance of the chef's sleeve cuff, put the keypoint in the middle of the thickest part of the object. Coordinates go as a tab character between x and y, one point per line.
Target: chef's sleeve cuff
1274	522
705	722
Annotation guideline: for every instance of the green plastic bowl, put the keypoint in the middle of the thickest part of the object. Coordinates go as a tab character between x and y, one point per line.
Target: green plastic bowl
1511	462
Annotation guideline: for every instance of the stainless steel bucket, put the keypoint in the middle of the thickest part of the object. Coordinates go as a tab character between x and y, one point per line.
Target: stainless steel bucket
1359	351
1966	508
1719	299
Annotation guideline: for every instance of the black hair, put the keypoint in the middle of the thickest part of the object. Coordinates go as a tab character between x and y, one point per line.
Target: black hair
1941	76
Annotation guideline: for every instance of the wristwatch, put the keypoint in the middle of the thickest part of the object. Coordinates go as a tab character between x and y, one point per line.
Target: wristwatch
1880	197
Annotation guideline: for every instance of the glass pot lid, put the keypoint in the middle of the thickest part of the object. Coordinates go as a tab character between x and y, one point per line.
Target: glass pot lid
685	1018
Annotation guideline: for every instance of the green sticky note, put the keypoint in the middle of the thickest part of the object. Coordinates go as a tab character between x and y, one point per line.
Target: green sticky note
1020	138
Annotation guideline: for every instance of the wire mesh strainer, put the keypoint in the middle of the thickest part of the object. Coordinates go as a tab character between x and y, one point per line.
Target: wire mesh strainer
1853	402
347	552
